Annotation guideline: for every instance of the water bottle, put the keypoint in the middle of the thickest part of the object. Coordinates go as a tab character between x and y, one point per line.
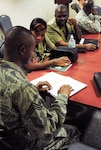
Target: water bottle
71	42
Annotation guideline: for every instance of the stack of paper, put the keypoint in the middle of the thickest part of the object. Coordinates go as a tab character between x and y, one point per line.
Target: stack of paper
57	80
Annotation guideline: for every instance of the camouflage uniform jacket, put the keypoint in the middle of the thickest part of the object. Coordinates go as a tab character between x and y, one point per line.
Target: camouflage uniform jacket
90	23
22	105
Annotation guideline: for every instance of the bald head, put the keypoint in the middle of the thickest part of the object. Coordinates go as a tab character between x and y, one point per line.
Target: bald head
16	37
61	7
18	43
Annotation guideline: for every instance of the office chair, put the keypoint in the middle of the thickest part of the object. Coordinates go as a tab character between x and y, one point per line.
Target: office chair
1	48
5	23
75	7
98	9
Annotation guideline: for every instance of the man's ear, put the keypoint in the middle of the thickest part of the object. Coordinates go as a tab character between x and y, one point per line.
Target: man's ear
22	50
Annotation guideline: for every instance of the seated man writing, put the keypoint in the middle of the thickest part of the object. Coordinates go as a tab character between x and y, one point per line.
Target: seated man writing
25	122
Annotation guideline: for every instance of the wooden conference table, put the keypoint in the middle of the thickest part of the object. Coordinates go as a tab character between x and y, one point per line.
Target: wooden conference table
83	70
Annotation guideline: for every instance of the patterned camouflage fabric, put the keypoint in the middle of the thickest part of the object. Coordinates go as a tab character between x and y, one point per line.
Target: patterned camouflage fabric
25	122
90	23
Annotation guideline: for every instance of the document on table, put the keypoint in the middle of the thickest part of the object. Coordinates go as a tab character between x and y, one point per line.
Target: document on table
57	80
60	68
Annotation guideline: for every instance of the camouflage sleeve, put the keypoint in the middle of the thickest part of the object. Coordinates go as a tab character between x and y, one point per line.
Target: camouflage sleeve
36	116
89	25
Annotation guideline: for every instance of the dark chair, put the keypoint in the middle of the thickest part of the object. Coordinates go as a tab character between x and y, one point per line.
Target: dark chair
98	9
1	48
75	7
81	146
5	23
88	120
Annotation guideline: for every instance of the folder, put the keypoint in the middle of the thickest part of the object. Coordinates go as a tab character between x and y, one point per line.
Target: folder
57	80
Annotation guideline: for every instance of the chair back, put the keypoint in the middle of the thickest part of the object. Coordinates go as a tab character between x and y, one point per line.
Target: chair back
98	9
5	23
1	48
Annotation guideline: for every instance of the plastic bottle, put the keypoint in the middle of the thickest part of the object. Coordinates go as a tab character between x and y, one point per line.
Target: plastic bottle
71	42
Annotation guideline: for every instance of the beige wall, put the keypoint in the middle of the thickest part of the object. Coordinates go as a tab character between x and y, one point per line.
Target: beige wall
23	11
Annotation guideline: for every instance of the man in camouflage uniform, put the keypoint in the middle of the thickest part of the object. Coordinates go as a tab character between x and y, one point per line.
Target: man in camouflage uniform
87	19
25	121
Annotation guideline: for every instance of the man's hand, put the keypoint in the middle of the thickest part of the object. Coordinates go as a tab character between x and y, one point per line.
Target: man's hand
43	86
78	33
65	89
90	46
94	12
72	21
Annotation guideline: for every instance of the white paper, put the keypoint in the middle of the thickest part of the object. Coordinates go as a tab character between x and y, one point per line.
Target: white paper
82	41
56	80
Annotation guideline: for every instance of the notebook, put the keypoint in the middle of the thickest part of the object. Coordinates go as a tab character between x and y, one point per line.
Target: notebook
60	68
57	80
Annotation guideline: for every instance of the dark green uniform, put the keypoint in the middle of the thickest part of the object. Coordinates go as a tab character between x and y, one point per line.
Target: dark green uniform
56	34
43	49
